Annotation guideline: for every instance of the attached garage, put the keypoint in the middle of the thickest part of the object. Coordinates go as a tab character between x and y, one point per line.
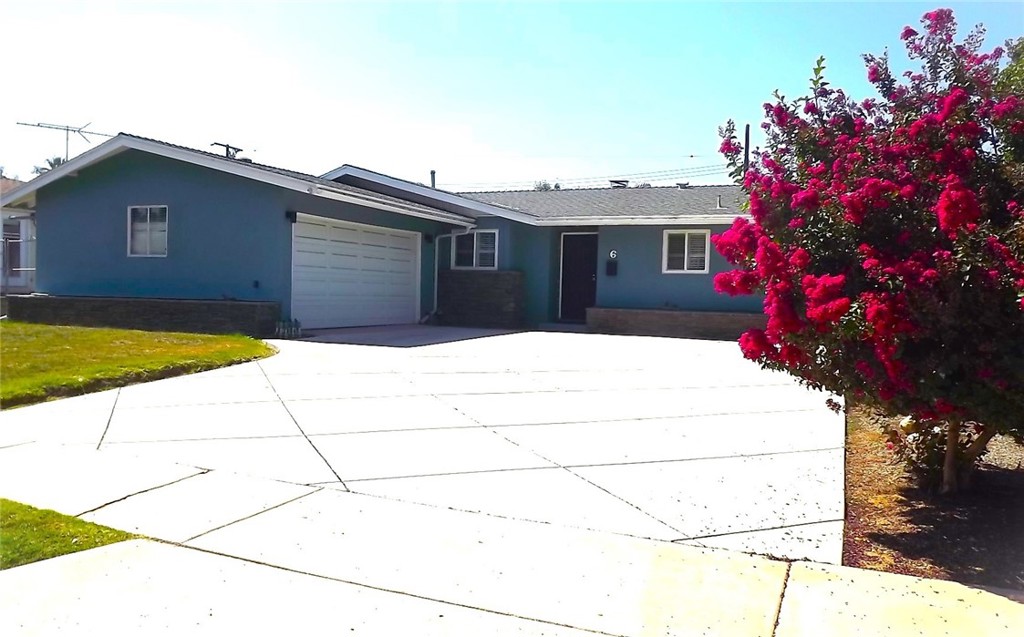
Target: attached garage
347	274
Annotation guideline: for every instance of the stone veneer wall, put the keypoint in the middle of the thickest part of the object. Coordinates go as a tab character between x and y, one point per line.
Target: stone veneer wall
254	318
481	298
709	325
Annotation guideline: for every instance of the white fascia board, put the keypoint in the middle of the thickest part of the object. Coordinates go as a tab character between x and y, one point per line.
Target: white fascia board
679	220
121	143
26	192
338	195
17	213
433	193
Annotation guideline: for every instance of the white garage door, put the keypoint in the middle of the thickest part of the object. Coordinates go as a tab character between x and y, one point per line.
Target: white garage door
348	274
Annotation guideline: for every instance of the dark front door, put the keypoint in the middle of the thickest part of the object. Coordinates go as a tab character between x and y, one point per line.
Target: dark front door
579	276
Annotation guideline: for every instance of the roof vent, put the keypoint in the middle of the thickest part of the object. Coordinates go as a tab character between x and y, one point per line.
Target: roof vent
718	206
682	185
619	183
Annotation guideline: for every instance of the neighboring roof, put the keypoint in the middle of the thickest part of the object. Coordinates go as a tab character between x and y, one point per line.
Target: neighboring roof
421	193
316	186
6	183
707	204
583	206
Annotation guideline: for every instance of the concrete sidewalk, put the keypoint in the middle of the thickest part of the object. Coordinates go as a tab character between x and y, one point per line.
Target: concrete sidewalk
245	554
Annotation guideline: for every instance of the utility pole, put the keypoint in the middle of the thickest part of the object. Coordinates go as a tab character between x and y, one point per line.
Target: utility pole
746	149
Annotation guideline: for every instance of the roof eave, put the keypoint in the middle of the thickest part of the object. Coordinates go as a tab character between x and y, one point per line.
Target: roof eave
443	217
674	220
434	193
120	143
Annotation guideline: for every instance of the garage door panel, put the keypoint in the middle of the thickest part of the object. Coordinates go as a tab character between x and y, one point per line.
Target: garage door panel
347	274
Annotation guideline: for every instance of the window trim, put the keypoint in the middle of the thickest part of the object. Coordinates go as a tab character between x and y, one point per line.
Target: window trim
167	223
476	252
686	255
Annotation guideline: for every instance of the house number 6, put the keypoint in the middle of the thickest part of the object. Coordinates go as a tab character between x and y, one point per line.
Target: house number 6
614	254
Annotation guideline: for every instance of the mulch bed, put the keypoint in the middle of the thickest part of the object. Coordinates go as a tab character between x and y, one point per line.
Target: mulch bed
891	525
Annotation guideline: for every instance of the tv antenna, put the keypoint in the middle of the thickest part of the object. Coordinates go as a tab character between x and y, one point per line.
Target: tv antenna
67	132
229	150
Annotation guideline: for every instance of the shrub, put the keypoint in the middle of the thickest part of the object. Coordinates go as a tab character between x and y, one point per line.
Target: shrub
887	237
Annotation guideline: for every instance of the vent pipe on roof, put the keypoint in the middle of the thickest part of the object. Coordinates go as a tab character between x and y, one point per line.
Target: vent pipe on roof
719	205
682	185
433	179
619	183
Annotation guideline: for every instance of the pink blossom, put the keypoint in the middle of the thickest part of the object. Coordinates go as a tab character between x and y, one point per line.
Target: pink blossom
806	199
956	98
800	259
735	282
957	207
754	344
730	147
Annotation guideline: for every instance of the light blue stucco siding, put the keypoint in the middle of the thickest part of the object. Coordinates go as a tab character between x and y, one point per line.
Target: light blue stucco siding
228	236
528	249
223	233
535	252
641	284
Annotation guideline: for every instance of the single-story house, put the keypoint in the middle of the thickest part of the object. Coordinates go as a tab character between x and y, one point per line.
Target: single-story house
17	247
137	231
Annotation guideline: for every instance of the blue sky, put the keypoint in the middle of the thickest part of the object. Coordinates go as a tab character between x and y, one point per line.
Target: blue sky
490	94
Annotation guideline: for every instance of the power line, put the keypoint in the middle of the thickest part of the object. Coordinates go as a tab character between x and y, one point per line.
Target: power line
664	179
655	175
602	182
652	174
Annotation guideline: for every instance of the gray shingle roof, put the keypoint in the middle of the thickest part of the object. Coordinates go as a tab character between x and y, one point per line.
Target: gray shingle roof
617	202
313	180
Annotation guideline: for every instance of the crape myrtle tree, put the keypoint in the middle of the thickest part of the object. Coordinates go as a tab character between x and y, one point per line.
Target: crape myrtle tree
887	237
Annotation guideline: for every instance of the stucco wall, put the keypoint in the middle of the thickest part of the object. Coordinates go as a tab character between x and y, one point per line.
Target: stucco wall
225	233
535	252
530	250
641	284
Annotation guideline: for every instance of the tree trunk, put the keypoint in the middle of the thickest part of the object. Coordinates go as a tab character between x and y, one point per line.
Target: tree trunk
950	475
970	458
979	444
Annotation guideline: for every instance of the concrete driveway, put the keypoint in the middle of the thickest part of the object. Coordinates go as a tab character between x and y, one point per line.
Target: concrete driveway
419	481
669	439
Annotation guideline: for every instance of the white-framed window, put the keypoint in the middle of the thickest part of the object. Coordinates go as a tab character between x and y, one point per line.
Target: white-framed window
147	231
685	252
476	249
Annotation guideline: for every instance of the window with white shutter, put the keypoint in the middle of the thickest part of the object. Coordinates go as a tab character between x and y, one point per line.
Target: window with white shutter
476	250
685	251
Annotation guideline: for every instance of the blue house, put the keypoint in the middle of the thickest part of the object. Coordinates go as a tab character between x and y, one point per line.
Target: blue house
142	233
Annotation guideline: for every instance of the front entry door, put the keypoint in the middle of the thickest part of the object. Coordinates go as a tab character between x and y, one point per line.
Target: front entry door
579	275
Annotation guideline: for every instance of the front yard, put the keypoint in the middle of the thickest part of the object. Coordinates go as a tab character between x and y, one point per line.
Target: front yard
893	526
30	534
38	362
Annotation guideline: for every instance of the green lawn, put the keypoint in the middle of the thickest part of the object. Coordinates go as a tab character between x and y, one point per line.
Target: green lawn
38	362
28	534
